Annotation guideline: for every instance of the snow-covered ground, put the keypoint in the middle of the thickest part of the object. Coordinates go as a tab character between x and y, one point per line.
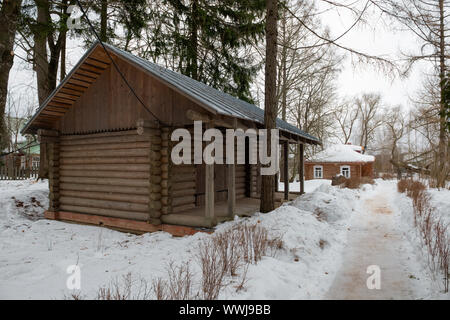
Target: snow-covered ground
310	185
35	253
440	200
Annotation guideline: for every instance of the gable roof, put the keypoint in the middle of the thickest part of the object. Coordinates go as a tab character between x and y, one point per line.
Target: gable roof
212	99
341	153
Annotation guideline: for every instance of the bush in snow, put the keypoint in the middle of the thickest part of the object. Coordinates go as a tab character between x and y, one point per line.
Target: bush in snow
433	230
219	258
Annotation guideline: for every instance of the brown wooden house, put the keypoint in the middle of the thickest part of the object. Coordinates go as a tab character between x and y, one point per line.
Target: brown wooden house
345	160
109	154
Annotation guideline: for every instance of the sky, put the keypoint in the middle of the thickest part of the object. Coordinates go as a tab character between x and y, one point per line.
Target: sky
375	38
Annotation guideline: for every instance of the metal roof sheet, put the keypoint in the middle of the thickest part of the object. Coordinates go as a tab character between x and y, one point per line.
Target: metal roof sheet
220	102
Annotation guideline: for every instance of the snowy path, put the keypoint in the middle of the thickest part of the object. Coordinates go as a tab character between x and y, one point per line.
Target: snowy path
375	238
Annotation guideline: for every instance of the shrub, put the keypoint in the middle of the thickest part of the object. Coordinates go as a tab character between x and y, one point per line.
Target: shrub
356	182
387	176
221	256
415	188
433	231
402	185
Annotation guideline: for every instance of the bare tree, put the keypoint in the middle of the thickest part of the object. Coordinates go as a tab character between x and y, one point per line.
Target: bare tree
428	21
395	122
19	109
346	115
369	105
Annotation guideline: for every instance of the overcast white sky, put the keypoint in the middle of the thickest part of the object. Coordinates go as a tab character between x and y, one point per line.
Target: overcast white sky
376	38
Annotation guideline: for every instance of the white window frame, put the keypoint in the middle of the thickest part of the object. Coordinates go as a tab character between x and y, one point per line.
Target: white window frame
321	172
349	171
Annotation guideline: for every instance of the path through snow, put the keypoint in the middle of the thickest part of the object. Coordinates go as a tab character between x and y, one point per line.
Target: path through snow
376	238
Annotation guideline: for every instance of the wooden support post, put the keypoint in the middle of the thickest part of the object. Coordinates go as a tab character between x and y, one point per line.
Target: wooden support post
209	190
301	167
286	170
153	131
209	194
232	183
231	189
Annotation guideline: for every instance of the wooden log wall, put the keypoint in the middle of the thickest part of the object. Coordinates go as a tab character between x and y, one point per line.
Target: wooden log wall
155	187
166	171
54	175
183	187
106	174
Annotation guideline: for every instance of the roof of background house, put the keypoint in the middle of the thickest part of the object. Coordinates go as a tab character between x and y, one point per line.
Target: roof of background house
216	100
341	153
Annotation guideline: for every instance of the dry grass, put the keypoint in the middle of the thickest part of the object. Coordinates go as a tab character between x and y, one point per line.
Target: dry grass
387	176
433	231
125	288
221	259
228	251
357	182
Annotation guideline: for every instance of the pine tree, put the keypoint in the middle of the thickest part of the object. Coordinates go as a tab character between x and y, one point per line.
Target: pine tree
207	40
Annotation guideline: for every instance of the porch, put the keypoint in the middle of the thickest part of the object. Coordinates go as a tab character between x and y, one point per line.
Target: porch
244	207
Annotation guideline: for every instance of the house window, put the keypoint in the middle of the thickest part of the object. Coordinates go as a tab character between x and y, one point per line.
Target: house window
318	172
345	171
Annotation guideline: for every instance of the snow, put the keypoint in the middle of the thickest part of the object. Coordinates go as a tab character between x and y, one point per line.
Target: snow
35	253
310	185
341	153
440	199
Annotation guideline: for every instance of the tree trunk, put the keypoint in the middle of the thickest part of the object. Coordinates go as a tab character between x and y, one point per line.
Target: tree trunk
9	15
63	72
193	46
40	51
103	21
442	172
270	104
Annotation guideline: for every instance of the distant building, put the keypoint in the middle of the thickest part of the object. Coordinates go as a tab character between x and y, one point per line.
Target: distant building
345	160
24	158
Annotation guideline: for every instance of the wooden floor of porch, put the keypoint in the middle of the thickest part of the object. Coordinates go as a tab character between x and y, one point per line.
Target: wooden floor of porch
244	207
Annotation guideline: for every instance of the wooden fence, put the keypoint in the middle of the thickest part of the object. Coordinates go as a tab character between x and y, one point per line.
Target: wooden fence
17	173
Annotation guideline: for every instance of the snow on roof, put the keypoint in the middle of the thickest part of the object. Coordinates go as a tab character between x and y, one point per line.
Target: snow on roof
341	153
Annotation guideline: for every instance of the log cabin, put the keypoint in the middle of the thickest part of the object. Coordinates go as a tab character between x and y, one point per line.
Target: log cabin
106	132
339	160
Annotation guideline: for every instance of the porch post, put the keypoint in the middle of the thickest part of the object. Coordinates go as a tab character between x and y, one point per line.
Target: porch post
232	182
286	170
209	194
231	190
301	167
209	191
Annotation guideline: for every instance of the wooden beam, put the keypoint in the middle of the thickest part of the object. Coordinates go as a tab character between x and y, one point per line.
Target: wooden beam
209	190
232	183
128	225
197	116
286	170
301	166
209	194
146	126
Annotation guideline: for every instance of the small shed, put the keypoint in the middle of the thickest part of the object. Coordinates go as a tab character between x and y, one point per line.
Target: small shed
109	148
341	159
